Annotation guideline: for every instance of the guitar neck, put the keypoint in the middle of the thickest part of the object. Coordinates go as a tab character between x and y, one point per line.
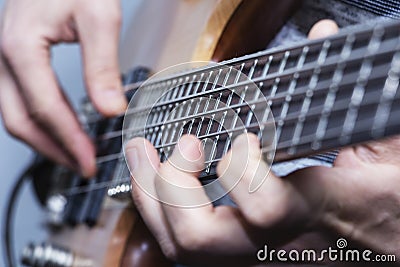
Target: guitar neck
312	97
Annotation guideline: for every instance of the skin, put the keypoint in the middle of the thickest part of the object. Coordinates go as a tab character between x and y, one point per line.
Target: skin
357	199
31	99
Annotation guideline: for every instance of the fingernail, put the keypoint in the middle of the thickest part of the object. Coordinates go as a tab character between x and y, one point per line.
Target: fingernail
91	167
253	139
190	148
133	158
115	100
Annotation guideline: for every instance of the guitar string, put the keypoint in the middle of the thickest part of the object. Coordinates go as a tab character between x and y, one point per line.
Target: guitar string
283	146
115	156
269	78
340	105
308	139
281	96
132	86
208	92
259	80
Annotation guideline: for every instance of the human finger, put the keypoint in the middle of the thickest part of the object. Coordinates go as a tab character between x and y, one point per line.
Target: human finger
98	27
45	103
18	123
143	164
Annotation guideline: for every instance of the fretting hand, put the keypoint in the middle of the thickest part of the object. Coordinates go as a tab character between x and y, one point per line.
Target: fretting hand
356	199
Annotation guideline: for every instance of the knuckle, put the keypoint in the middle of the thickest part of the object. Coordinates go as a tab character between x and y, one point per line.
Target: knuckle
169	251
10	43
262	215
115	18
101	73
255	216
105	17
191	239
14	126
223	165
41	112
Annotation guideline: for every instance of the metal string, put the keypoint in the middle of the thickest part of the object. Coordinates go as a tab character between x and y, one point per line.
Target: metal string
331	133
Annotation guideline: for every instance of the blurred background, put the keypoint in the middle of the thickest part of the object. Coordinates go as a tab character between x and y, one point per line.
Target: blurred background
15	156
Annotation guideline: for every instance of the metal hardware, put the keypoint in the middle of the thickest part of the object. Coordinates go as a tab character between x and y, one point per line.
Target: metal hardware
47	255
121	191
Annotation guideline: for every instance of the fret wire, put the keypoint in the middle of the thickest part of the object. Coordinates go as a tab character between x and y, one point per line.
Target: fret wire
207	103
153	135
355	101
302	57
332	134
306	103
154	116
359	89
186	115
385	102
173	126
157	130
166	97
165	130
341	106
378	108
175	110
253	106
283	62
308	139
203	117
235	118
309	94
227	76
207	82
328	102
189	88
210	123
228	104
251	73
223	117
331	96
288	98
215	83
300	91
182	87
80	189
266	67
200	125
197	105
275	76
174	91
157	137
266	54
177	123
198	83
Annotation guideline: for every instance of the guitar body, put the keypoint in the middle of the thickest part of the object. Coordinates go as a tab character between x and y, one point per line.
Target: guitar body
162	34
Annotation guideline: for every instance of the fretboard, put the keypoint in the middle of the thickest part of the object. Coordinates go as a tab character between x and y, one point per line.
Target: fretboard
304	99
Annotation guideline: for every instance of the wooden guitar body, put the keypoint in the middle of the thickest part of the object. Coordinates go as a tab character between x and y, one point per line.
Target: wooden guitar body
162	34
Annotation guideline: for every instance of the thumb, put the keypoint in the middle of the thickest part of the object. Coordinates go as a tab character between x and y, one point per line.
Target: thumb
99	37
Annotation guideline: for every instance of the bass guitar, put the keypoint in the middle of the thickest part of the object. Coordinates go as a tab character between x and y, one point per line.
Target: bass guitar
300	100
